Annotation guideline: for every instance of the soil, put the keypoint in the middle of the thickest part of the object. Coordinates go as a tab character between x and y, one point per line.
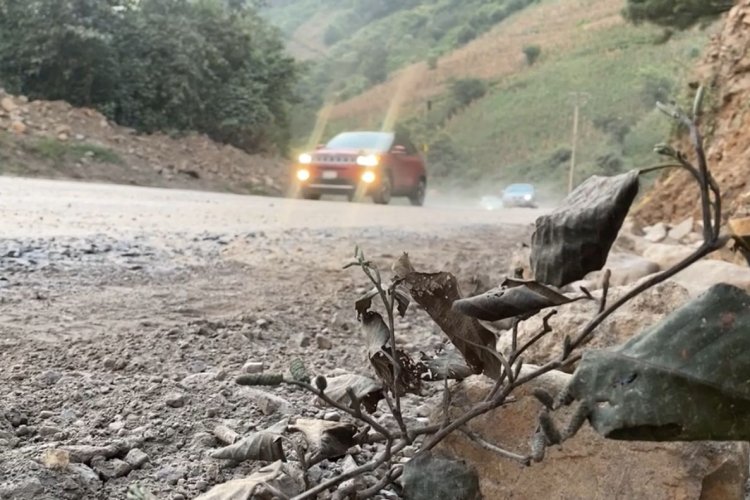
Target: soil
127	313
52	139
725	72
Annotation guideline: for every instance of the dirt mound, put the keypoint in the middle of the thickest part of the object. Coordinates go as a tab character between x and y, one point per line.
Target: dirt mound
54	139
726	73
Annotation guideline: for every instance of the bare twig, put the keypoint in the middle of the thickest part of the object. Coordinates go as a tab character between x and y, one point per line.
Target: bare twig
393	473
546	328
363	469
524	460
605	290
354	413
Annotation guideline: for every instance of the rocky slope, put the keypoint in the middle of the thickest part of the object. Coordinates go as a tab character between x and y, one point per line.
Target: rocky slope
725	71
56	140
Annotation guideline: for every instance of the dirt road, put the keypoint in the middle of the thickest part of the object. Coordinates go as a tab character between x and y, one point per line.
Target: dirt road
38	207
126	313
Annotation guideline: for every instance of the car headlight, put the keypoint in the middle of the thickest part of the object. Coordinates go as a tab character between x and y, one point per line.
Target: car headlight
368	160
305	159
527	197
303	174
368	177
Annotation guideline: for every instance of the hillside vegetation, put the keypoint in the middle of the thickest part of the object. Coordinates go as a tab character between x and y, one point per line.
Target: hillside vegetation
212	66
496	105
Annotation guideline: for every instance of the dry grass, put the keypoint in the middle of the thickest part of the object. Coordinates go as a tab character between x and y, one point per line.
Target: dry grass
555	25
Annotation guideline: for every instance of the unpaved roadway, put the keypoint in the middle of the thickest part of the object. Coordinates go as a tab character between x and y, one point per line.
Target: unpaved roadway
125	314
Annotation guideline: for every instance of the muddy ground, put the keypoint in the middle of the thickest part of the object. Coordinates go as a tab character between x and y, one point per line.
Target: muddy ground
126	314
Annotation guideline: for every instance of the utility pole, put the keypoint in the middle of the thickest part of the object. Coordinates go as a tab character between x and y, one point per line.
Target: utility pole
579	100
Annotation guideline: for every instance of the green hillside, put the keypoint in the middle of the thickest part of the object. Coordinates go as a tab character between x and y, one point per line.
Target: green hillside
522	128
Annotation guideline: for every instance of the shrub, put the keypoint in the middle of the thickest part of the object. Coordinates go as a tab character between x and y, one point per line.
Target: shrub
532	53
465	35
467	90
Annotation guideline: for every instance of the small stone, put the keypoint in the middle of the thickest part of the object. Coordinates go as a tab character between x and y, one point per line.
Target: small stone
202	440
117	425
332	416
304	340
49	430
24	430
86	475
201	485
682	230
176	400
136	458
253	367
62	137
110	469
656	233
51	377
18	127
170	474
324	343
198	380
267	402
44	415
8	104
115	364
263	324
16	417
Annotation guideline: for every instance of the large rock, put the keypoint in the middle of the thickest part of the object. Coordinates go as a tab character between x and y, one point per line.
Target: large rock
656	233
666	255
625	268
643	311
682	230
703	274
8	104
587	466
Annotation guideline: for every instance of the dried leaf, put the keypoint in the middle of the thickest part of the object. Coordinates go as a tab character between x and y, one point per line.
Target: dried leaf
378	337
449	364
264	446
377	334
326	439
266	484
427	477
369	391
364	303
686	379
503	303
436	293
576	238
402	301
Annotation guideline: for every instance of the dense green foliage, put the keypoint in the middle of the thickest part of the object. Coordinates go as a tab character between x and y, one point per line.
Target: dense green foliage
679	14
205	65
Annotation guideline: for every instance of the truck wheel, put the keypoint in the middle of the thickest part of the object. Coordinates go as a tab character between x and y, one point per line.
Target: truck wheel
417	196
383	195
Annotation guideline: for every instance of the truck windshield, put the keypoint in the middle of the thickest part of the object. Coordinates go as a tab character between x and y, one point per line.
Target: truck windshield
377	141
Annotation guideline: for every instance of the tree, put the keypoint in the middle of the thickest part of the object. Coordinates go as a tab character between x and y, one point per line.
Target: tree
680	14
212	66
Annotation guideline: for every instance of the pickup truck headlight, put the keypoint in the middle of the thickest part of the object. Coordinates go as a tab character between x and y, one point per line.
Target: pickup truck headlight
368	160
303	174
